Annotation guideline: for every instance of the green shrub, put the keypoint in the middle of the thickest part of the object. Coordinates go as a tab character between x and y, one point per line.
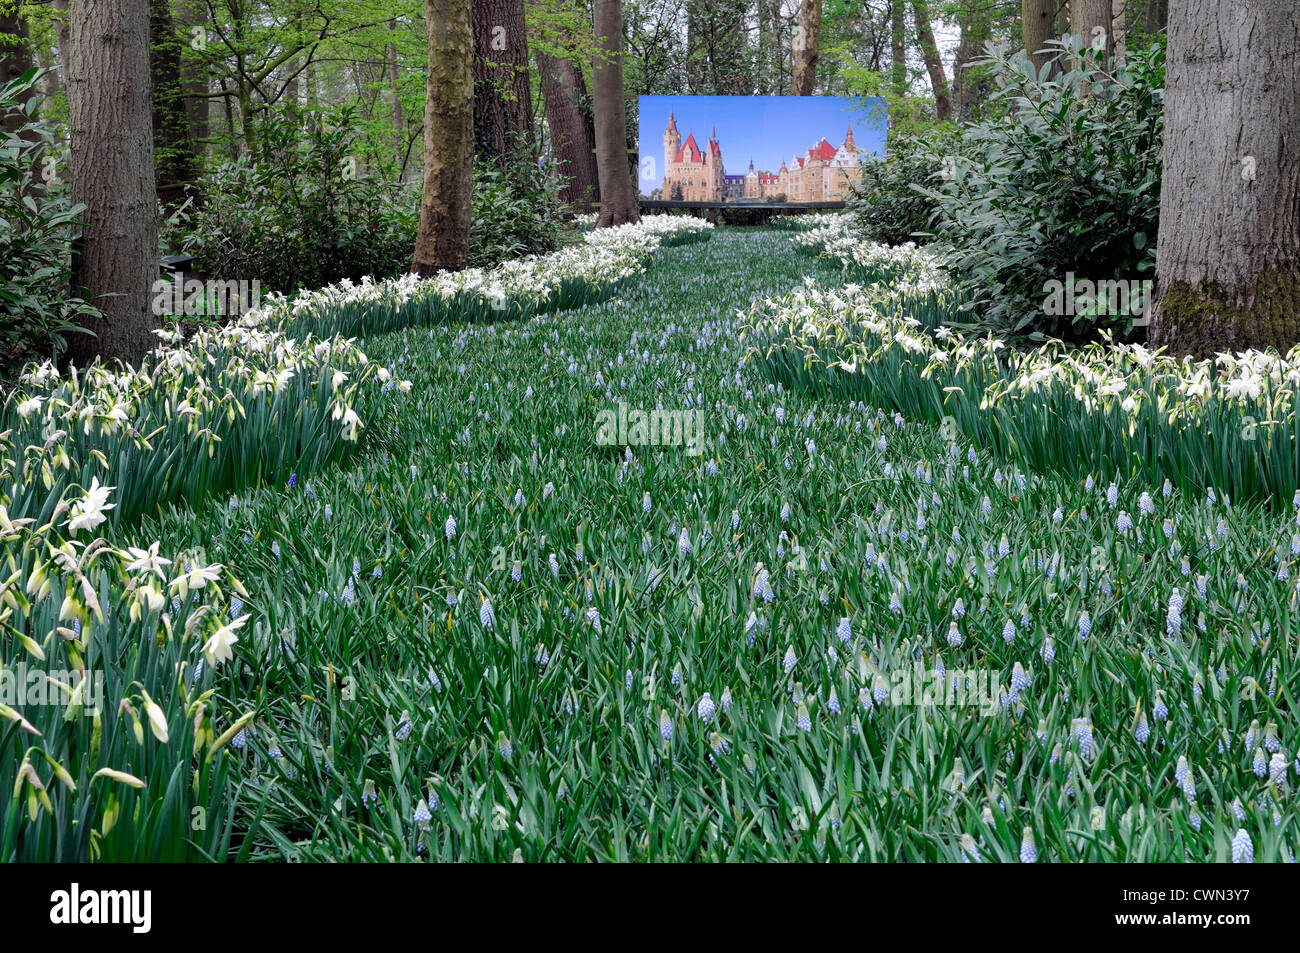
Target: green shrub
516	211
1065	180
37	226
299	212
885	206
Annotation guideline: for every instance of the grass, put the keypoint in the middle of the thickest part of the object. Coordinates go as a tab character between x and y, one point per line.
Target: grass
397	718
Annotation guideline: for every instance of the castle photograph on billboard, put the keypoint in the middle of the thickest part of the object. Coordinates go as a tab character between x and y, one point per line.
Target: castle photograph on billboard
756	149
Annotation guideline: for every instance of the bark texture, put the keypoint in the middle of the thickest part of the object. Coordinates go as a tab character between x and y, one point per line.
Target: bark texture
443	238
807	44
112	170
1228	253
573	132
1091	19
618	204
503	109
1037	20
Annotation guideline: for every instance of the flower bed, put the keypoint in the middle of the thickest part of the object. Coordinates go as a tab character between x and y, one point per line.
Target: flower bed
1110	408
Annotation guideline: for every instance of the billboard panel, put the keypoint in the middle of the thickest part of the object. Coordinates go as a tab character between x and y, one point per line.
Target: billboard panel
751	149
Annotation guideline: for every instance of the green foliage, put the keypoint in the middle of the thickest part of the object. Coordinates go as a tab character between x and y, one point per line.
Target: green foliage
887	208
37	226
300	212
516	210
1065	180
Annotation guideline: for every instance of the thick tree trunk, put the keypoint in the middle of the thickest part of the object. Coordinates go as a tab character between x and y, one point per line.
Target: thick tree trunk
933	65
573	134
177	163
807	43
443	238
898	46
1229	247
112	172
618	203
503	109
1038	26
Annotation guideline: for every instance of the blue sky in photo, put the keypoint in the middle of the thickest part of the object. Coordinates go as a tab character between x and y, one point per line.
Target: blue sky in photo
764	128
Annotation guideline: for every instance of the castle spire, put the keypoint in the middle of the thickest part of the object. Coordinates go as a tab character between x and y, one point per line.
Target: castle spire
672	122
848	139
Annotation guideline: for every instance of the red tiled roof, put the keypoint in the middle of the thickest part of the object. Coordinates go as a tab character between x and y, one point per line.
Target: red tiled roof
823	150
689	152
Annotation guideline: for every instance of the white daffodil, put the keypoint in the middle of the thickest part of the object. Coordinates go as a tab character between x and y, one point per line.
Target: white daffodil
88	512
220	647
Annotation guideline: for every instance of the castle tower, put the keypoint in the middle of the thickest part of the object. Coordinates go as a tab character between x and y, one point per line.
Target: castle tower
849	144
672	143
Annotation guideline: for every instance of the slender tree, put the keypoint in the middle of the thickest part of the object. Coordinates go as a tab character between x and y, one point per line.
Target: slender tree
898	45
443	238
933	65
807	43
618	204
970	87
195	78
112	172
1228	257
1157	15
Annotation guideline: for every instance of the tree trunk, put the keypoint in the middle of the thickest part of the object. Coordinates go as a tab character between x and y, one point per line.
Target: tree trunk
399	115
1157	15
193	14
1229	246
970	89
1038	26
763	63
573	135
898	46
443	238
1091	19
503	109
15	52
112	171
1119	29
177	164
60	8
618	203
807	41
933	65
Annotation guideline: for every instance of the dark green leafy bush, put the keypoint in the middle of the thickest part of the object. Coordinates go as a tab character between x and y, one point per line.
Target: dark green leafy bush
37	226
299	212
1064	181
885	206
516	211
